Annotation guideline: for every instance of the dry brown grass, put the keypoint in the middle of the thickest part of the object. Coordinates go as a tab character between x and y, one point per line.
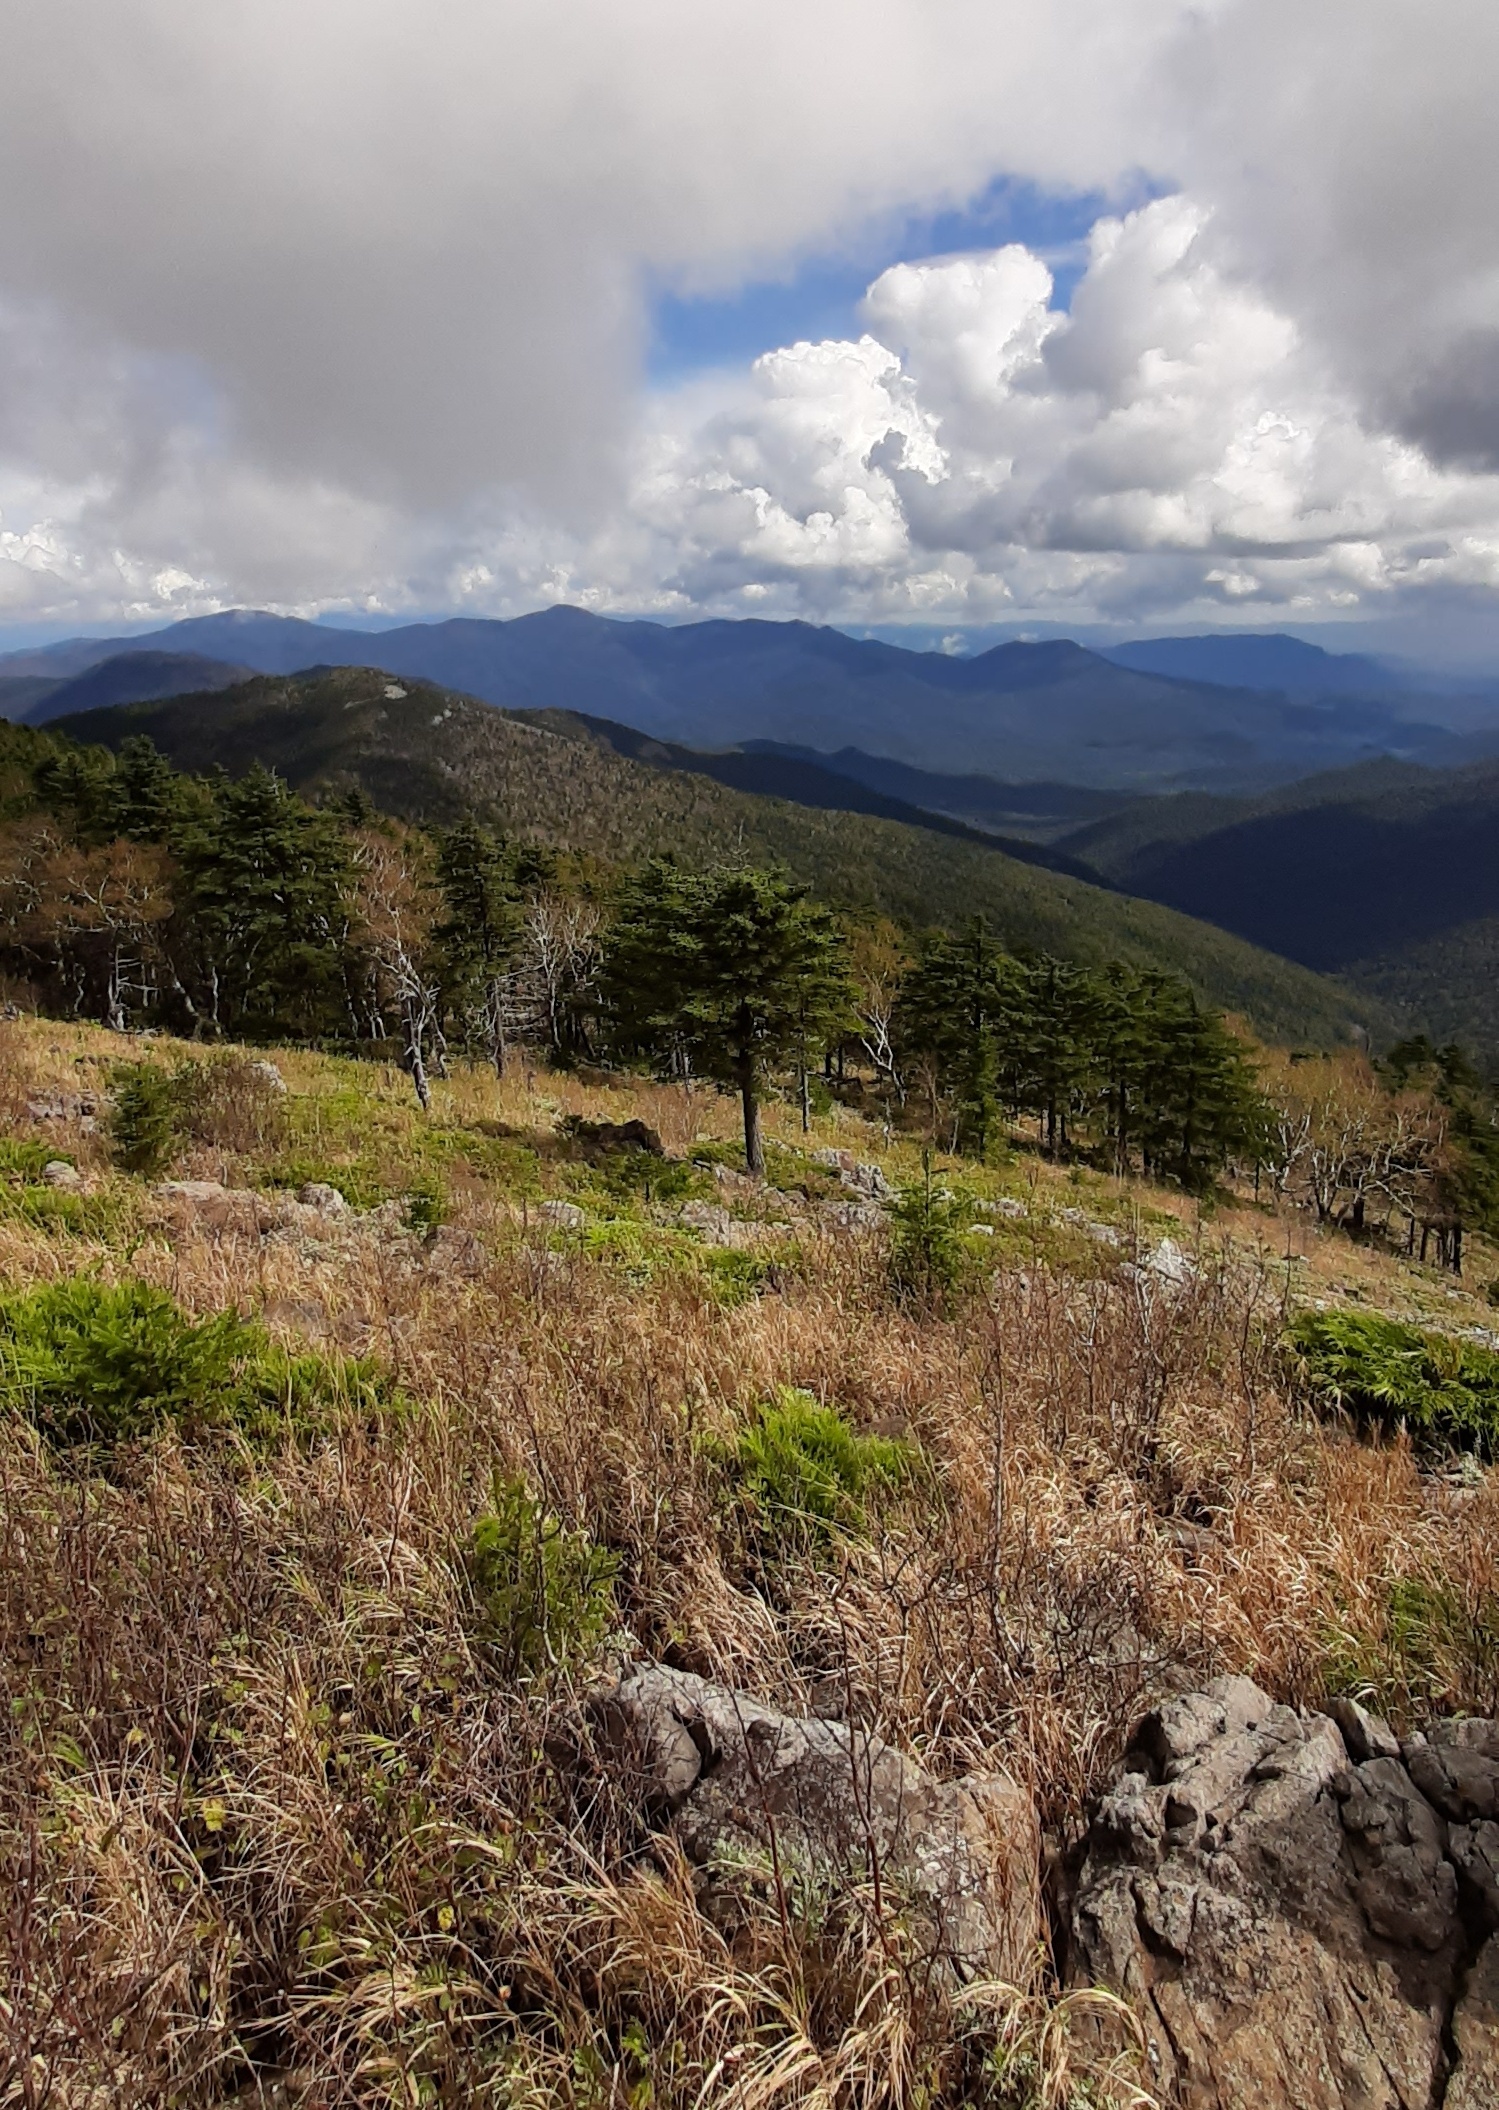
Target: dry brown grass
270	1821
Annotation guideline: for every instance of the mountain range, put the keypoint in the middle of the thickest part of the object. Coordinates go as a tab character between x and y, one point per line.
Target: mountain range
1019	713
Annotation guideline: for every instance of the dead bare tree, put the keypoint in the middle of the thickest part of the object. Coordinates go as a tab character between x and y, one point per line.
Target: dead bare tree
394	907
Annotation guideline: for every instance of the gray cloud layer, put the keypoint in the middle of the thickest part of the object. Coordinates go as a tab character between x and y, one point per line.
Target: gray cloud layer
317	304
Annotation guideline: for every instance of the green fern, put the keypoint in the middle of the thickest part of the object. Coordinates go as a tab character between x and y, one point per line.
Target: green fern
1445	1392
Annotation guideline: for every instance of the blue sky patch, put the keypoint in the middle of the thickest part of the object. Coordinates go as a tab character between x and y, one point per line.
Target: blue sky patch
819	296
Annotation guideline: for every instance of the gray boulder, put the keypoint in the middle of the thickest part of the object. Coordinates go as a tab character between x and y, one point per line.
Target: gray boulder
757	1797
1289	1902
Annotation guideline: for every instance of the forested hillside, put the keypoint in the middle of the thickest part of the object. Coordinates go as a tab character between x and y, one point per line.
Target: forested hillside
1387	875
425	753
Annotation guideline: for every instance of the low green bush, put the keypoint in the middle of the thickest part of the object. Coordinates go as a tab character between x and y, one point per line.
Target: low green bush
144	1132
544	1594
99	1364
1390	1375
632	1175
426	1204
929	1258
803	1472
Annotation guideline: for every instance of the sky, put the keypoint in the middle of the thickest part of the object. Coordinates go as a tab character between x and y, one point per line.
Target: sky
1108	317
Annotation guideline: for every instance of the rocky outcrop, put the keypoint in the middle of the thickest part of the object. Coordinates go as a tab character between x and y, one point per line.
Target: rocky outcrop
809	1806
1294	1904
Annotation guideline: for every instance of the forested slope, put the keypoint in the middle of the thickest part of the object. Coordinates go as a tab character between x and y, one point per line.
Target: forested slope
426	753
1388	875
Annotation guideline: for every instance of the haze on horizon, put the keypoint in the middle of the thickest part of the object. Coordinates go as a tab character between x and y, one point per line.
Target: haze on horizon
1103	315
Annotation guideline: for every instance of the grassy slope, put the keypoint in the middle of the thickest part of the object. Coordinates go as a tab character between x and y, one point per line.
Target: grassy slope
427	753
256	1738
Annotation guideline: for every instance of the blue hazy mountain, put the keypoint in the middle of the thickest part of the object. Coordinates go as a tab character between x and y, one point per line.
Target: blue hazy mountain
1260	660
1022	713
133	677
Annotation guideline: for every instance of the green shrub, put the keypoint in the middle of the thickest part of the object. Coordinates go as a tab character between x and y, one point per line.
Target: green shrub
143	1119
91	1363
1390	1375
21	1163
544	1593
928	1257
639	1174
426	1205
804	1472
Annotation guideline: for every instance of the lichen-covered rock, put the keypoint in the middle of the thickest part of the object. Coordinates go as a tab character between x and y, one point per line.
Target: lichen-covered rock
328	1201
820	1803
1475	2036
1277	1896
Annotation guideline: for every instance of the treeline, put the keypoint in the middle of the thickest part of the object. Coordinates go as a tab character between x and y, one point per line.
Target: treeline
216	908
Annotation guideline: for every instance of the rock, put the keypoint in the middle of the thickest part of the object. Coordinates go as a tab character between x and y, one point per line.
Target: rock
599	1139
715	1226
452	1251
1457	1767
62	1106
316	1194
1169	1264
1006	1205
57	1172
1475	2036
852	1215
735	1780
562	1216
1364	1735
861	1178
710	1220
215	1207
268	1075
1273	1894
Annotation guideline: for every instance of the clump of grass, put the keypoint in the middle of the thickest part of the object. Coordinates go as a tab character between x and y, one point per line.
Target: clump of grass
1433	1647
232	1102
21	1162
544	1593
90	1363
1390	1375
427	1204
734	1275
805	1473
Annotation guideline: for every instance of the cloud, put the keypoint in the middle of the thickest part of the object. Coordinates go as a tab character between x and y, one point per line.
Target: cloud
1172	439
344	306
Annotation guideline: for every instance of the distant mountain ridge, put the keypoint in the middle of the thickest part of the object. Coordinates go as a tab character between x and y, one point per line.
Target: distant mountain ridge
1022	713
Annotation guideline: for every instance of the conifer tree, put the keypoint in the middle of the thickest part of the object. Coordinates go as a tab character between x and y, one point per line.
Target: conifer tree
953	1006
735	970
267	879
476	933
